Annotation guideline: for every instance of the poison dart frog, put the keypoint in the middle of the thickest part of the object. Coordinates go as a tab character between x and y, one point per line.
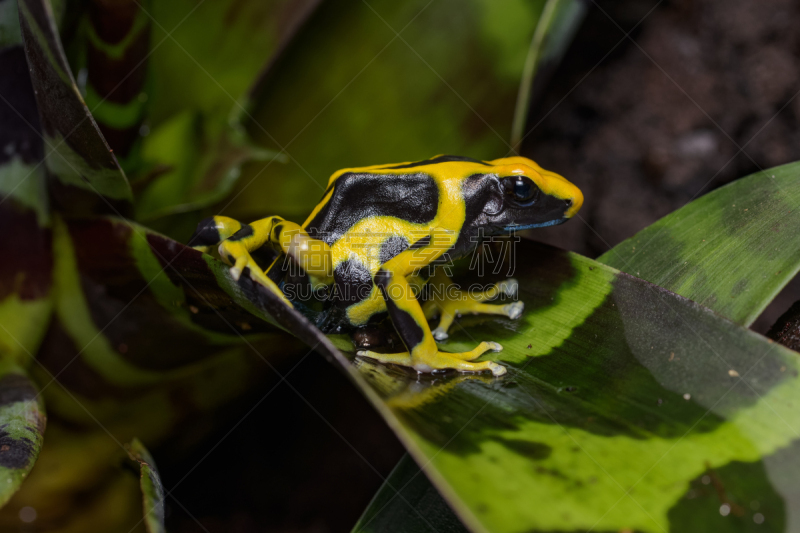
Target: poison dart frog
377	228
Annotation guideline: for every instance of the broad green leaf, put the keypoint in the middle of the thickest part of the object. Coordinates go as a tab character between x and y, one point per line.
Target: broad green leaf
628	411
22	422
152	488
83	174
370	82
205	58
731	250
196	164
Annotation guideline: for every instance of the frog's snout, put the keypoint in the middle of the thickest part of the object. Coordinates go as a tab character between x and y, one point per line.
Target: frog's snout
574	203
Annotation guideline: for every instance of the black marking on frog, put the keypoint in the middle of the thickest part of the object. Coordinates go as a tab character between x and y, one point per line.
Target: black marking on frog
410	197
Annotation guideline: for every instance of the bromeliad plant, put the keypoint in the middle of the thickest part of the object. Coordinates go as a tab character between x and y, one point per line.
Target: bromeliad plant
635	399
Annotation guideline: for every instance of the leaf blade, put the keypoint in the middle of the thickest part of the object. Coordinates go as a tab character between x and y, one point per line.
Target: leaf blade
152	488
84	176
697	251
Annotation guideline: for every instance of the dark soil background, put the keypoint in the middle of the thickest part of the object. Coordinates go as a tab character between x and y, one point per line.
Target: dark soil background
700	94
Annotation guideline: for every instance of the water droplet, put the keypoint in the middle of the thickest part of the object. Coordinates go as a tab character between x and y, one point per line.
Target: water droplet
687	396
724	509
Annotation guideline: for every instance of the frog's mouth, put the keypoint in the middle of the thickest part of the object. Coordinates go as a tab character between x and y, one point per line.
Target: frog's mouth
520	227
549	212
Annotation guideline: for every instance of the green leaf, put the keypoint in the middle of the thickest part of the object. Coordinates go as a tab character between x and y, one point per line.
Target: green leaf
152	488
22	422
408	503
217	49
731	250
83	174
370	82
628	403
195	167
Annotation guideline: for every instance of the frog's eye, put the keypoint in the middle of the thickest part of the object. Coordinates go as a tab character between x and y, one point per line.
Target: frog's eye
521	188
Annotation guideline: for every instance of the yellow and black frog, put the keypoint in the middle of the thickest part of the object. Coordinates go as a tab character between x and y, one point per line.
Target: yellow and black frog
368	243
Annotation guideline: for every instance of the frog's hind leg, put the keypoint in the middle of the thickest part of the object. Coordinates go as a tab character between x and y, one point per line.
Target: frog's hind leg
213	230
235	250
449	302
444	360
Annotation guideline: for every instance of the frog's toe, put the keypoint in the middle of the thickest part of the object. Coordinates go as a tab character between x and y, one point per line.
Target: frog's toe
495	368
403	359
440	334
236	273
514	310
477	352
509	287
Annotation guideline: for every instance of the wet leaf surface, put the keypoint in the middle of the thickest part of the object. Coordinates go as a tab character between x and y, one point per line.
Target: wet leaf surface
627	396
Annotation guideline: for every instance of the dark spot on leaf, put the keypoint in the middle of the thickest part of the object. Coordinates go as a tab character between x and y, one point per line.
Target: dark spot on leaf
531	450
735	485
739	287
15	453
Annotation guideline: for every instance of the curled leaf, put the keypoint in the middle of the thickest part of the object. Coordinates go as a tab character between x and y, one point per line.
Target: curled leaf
152	488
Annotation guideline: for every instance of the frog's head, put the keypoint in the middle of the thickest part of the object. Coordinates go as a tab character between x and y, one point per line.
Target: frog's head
519	194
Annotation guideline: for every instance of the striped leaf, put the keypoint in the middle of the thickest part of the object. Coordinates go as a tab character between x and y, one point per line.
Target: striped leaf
632	409
22	423
732	250
82	173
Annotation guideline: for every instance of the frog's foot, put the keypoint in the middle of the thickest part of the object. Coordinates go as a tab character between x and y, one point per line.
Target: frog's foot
442	360
233	253
466	303
509	287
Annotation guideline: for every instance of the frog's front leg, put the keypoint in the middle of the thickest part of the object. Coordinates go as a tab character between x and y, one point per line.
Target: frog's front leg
448	302
409	320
